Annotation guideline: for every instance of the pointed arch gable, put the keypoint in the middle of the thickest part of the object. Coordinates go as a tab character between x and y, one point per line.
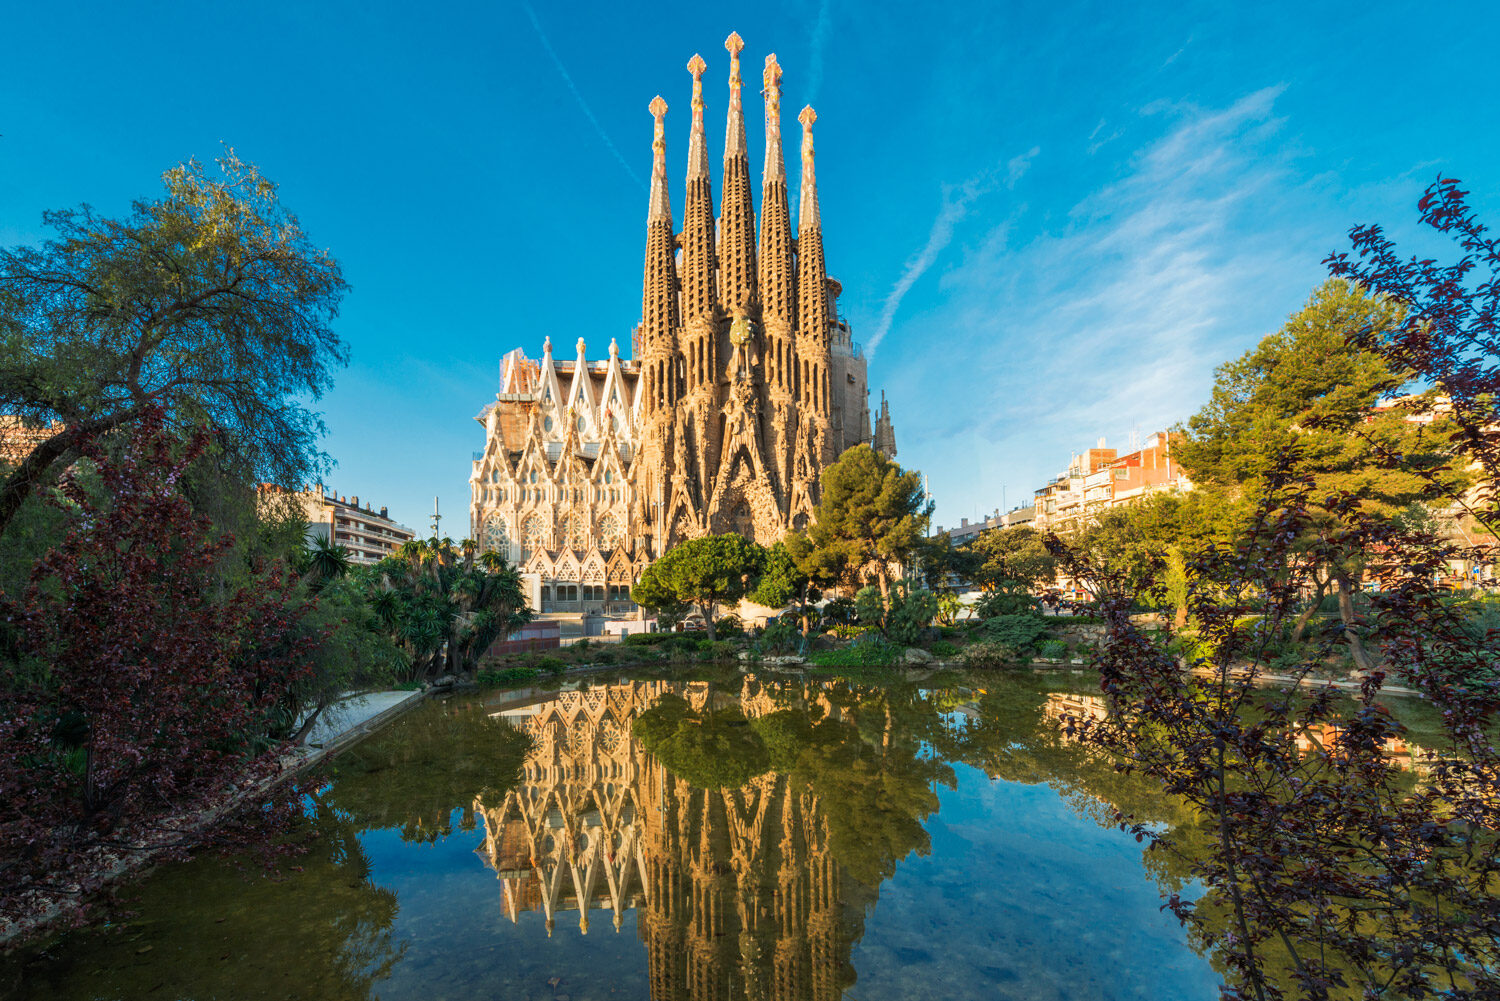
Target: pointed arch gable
619	569
539	562
566	566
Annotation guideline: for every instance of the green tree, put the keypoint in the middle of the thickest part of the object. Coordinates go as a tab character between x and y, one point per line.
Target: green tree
870	520
1299	419
1011	555
444	604
325	561
209	302
946	567
705	572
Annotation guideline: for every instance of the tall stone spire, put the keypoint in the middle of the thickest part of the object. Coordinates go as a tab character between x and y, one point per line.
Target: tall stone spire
777	287
659	289
778	276
812	290
699	302
700	312
736	207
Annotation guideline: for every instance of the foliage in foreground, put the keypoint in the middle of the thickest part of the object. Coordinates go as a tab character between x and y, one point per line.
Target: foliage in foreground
1329	872
138	694
209	306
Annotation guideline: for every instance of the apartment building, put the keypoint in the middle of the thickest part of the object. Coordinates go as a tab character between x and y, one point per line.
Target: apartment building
368	533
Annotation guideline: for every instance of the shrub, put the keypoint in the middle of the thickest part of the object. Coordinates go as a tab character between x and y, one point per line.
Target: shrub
647	639
911	612
506	676
1053	649
988	655
552	665
942	648
1019	632
1006	601
839	610
728	627
845	631
718	650
604	657
869	606
779	638
679	644
872	651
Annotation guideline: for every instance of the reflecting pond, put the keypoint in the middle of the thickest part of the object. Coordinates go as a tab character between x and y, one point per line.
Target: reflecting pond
725	837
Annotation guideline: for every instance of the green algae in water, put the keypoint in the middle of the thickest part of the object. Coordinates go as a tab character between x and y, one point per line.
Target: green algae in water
905	842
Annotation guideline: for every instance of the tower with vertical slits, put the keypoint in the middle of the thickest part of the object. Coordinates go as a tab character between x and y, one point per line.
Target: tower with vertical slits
744	385
755	384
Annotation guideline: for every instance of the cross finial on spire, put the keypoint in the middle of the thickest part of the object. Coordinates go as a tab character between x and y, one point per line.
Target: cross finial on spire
661	208
734	135
808	216
775	165
697	148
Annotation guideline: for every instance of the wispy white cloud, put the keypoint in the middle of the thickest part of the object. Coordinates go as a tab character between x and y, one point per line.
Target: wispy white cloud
957	202
1114	318
578	96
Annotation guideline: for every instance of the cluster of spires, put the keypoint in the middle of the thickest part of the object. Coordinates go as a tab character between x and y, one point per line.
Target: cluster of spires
721	278
735	338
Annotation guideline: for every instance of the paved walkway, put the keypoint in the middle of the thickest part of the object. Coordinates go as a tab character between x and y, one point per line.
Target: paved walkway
357	713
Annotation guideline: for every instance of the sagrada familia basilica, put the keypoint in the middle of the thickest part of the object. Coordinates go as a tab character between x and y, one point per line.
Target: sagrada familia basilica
743	385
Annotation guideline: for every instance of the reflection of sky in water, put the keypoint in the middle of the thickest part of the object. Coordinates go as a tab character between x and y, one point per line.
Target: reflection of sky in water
1023	898
460	944
1020	898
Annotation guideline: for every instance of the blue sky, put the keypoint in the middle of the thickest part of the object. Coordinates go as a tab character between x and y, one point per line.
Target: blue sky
1051	220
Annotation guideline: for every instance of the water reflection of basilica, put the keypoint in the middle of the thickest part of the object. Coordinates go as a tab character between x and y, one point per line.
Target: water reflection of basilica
736	890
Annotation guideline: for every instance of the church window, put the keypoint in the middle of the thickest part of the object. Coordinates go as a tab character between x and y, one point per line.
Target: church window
532	530
495	537
546	424
609	476
609	532
532	478
581	423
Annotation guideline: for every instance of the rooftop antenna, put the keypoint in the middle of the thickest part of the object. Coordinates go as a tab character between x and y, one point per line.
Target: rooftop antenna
436	517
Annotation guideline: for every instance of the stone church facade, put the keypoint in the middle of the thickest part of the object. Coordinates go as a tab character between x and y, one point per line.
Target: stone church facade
744	384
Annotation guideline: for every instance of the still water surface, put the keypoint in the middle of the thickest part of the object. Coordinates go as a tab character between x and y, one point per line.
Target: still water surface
791	837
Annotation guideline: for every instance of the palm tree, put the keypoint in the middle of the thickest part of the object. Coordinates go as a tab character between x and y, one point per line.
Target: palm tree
325	562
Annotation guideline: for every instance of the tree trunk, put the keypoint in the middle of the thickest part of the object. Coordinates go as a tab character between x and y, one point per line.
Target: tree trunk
34	469
708	619
1311	610
1351	628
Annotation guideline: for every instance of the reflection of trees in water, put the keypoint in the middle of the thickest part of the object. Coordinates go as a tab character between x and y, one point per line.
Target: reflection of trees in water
233	935
750	827
751	843
428	764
